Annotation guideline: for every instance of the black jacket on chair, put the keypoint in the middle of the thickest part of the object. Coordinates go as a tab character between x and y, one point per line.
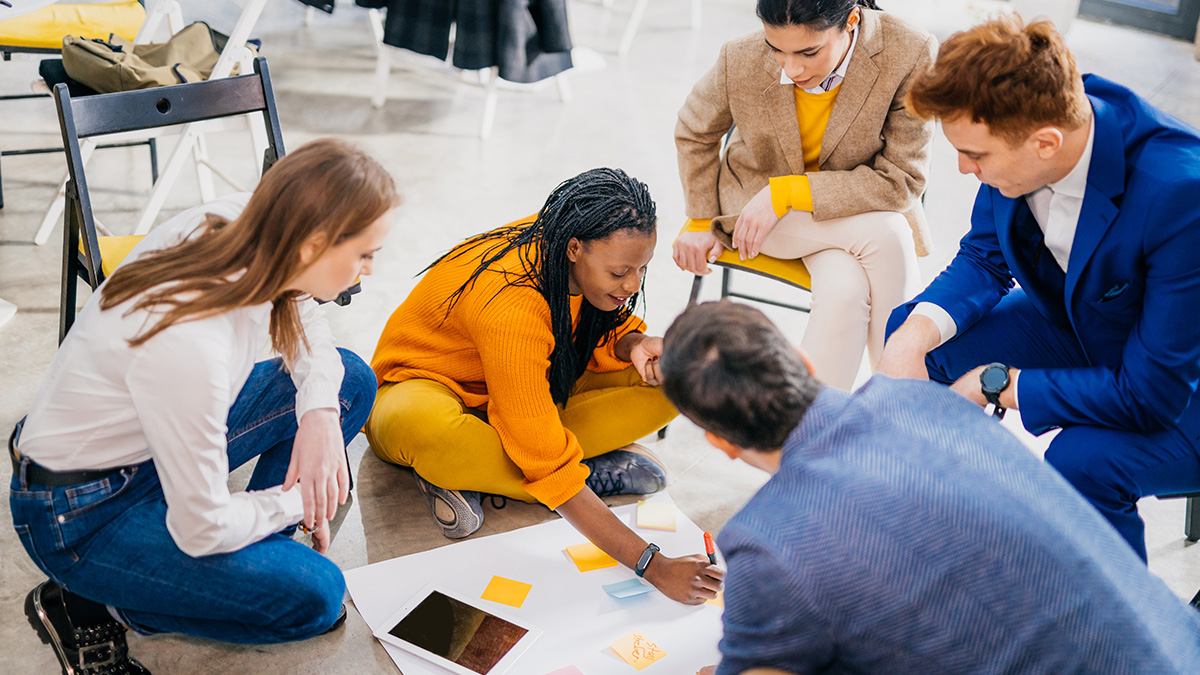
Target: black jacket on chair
527	39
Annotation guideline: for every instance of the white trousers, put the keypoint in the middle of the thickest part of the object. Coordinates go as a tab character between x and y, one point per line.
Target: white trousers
862	268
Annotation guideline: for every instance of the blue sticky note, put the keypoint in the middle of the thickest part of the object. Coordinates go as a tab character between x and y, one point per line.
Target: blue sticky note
628	588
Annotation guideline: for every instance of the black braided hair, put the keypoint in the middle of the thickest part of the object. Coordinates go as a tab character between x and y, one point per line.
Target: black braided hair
817	15
589	207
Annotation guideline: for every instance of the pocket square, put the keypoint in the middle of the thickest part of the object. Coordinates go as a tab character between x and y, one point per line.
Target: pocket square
1114	292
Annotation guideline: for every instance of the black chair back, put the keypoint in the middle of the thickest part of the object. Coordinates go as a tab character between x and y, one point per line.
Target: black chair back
104	114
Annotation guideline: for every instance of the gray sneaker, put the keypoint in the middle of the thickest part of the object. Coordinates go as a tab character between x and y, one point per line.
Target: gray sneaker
458	512
632	470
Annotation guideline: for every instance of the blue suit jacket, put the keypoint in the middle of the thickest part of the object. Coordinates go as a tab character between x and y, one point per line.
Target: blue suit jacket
1133	278
907	532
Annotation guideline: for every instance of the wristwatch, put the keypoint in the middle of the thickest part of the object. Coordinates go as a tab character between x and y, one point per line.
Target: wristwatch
993	380
644	561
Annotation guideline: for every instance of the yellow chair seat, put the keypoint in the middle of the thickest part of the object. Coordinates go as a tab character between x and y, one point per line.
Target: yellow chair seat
113	250
788	271
46	28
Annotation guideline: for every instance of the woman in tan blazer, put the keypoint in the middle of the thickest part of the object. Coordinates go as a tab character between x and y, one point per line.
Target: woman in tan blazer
823	163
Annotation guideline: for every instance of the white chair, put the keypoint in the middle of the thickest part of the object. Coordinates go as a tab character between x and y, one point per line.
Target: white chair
635	20
191	142
488	78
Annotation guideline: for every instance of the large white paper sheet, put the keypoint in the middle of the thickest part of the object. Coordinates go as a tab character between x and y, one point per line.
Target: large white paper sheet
578	617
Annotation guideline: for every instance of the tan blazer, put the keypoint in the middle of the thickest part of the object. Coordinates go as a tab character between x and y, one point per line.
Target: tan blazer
874	156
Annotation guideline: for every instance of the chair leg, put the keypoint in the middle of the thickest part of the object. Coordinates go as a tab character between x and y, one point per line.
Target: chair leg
204	175
162	187
726	278
55	210
153	143
631	28
383	58
696	284
70	280
564	87
1191	521
489	103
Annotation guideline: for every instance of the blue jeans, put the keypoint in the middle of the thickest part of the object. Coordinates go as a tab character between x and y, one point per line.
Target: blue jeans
1111	468
107	540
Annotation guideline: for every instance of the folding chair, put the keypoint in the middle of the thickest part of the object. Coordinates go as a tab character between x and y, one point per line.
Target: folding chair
42	31
91	257
790	272
635	20
191	142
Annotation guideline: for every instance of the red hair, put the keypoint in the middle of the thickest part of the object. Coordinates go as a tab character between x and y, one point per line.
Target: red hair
1008	75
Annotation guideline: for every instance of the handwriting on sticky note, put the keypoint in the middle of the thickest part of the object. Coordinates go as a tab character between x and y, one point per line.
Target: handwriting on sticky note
719	601
569	670
506	591
656	516
637	650
588	557
627	588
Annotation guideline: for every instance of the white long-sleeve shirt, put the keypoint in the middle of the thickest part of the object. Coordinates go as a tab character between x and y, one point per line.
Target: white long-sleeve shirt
104	404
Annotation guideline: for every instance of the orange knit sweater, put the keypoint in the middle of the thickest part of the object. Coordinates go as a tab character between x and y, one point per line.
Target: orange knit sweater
493	350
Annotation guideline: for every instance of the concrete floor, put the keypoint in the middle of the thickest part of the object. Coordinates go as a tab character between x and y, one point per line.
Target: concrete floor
622	114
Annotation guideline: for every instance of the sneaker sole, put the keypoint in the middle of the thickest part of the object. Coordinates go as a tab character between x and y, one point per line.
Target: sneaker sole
36	613
459	532
642	450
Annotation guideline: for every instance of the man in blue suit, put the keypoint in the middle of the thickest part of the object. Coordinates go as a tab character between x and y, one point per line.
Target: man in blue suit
902	530
1091	204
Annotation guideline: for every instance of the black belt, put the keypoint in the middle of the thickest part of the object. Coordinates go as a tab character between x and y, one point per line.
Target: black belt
40	475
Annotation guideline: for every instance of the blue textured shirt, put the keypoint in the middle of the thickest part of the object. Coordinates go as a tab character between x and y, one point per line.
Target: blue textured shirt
907	532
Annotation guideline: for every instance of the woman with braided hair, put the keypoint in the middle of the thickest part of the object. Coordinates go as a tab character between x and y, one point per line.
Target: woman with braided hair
517	368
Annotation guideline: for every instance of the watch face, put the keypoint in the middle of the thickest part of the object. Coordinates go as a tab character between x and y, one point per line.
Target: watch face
994	379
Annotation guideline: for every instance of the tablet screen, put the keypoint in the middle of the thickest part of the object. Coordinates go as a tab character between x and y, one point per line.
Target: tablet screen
454	630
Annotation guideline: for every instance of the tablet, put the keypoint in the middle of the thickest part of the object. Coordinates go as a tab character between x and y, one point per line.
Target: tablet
445	628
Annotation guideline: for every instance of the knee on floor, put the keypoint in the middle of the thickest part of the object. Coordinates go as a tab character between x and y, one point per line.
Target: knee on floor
310	605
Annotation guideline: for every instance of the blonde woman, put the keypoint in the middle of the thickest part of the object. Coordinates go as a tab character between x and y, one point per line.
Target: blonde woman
822	163
119	489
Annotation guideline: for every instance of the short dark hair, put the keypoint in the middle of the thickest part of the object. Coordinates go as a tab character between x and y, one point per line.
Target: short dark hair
729	369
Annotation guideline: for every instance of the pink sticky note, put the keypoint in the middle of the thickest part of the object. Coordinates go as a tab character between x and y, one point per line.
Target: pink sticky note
569	670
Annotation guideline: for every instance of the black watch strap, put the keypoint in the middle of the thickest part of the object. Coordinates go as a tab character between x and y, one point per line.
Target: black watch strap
644	560
994	379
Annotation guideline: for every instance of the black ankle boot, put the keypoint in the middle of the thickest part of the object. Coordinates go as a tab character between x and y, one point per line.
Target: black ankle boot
85	638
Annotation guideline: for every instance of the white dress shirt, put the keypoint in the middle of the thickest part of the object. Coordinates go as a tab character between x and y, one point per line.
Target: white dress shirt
1056	209
104	404
835	78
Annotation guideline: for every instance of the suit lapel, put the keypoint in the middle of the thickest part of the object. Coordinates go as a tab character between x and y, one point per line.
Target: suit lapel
854	90
780	101
1106	182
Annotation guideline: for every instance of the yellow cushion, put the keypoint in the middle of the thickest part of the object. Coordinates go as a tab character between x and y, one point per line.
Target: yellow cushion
788	271
47	27
113	250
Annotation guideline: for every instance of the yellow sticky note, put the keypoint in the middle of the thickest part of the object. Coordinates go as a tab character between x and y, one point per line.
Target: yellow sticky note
506	591
656	516
588	557
719	601
637	650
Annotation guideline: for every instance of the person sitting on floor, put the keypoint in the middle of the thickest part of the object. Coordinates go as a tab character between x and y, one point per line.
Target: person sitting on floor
902	530
516	367
119	488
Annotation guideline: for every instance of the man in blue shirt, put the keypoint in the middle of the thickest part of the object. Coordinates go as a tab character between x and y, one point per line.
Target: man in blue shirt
904	531
1091	203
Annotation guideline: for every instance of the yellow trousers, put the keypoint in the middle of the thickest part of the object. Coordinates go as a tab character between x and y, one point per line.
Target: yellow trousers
424	425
